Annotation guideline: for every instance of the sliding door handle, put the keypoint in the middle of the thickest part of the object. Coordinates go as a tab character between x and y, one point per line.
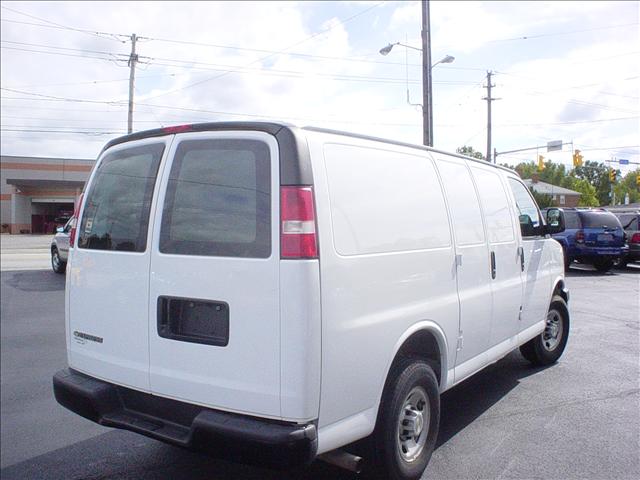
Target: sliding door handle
493	265
521	254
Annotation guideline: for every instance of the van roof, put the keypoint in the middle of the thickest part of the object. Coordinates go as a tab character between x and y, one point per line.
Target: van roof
274	128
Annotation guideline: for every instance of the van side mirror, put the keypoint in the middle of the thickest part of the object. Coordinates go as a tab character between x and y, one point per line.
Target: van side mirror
555	221
60	229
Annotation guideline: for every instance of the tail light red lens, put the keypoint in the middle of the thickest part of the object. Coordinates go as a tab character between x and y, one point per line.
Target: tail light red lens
635	238
74	228
580	236
298	237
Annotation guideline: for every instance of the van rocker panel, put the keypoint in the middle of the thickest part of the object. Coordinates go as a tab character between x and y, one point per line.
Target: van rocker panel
221	434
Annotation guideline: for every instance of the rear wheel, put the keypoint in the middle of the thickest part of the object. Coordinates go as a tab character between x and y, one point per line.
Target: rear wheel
407	426
622	263
603	264
57	264
567	259
547	347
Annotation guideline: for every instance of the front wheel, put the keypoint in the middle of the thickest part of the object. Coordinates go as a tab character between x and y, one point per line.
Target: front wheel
547	347
407	426
57	264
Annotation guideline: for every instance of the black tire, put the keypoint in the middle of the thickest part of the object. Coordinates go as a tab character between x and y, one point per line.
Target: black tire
567	260
603	264
408	377
622	263
57	264
538	350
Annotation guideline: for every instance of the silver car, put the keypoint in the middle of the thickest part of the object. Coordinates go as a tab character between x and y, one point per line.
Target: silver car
60	247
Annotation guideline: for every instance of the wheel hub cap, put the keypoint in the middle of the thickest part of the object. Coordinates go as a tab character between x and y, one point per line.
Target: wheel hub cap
413	424
553	331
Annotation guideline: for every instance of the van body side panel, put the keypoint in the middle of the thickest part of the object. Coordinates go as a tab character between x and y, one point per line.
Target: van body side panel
108	284
215	254
300	339
387	263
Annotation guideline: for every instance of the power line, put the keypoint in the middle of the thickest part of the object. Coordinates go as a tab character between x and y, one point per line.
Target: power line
92	82
105	35
60	54
64	99
555	34
246	70
568	123
120	132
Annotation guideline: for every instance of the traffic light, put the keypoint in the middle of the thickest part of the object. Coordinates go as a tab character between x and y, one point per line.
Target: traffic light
612	175
540	163
638	180
577	159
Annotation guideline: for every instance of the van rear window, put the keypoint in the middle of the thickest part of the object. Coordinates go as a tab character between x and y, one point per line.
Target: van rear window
116	212
218	200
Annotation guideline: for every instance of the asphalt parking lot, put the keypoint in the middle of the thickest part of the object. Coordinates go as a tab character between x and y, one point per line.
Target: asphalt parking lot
579	419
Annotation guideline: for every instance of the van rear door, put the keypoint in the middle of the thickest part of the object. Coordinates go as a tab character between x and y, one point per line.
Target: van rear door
108	278
214	320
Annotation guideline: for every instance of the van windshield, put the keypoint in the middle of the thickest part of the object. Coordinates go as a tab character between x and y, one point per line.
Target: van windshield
116	212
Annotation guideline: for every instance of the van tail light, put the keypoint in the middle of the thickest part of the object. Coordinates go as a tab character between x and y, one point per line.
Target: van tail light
178	129
298	238
579	236
635	238
74	227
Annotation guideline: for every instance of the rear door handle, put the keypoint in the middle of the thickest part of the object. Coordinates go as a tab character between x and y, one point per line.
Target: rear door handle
493	265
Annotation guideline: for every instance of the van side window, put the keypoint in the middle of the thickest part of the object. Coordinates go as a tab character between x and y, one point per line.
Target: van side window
116	212
463	202
218	200
495	205
528	214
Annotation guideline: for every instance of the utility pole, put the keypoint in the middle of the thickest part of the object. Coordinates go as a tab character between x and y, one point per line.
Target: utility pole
489	99
133	59
427	102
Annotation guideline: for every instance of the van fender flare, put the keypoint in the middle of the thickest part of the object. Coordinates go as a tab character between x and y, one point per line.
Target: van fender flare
560	285
441	338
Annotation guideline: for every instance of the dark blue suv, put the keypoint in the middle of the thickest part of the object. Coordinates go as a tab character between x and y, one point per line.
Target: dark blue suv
592	236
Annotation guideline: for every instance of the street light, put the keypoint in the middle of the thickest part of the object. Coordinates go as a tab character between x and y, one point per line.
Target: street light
427	107
384	51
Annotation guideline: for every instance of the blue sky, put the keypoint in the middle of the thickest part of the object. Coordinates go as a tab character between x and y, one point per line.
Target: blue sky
575	77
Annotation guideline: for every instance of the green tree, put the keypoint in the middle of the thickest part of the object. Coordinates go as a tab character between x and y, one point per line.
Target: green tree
627	186
543	200
588	197
470	152
597	174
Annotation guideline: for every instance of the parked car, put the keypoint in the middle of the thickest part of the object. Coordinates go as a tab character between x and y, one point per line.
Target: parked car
593	236
272	294
60	247
629	221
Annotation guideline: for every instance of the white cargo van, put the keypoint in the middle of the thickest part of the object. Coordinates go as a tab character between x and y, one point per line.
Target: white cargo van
271	294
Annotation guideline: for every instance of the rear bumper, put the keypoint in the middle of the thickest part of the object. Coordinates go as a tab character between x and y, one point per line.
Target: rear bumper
224	435
633	254
595	252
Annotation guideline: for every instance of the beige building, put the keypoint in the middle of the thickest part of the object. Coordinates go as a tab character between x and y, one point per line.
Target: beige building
37	194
